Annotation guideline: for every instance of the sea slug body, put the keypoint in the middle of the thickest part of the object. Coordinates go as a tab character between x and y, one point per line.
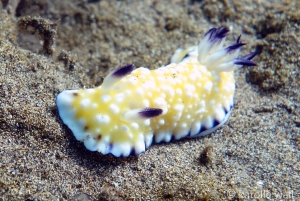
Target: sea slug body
134	108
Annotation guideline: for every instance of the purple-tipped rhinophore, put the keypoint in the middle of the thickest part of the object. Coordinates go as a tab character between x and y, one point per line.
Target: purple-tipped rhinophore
116	76
150	112
123	70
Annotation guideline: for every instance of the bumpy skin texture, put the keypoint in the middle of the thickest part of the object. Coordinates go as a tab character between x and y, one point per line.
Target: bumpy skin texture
134	108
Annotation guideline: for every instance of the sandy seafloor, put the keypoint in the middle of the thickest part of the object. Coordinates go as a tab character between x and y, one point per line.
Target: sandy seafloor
50	46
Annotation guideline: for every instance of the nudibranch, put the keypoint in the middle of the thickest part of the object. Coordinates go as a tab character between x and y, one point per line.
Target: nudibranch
133	108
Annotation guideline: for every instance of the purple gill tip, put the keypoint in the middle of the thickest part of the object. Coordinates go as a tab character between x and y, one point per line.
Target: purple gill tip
234	47
250	56
244	62
210	32
218	33
150	112
123	70
239	40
